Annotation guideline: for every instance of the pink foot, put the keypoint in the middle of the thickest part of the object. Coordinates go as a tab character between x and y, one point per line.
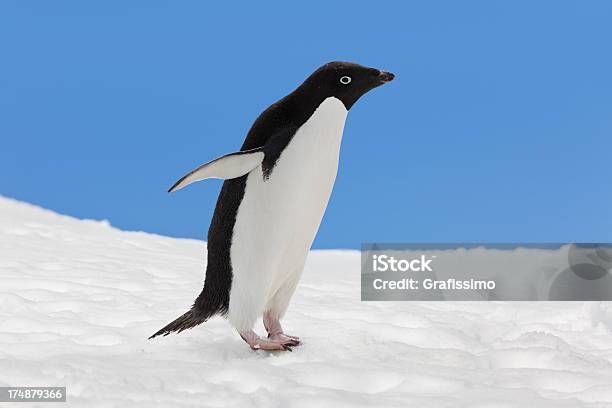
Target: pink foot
257	343
275	331
285	337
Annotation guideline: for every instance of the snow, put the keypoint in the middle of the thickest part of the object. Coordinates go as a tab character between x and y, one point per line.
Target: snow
78	299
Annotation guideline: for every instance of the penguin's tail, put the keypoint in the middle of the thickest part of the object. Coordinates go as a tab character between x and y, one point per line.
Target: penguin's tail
190	319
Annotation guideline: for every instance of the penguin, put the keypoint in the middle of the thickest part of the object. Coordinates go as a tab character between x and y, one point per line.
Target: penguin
275	193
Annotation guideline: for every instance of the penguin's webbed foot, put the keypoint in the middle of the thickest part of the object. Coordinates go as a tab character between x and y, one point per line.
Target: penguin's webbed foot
284	337
275	330
257	343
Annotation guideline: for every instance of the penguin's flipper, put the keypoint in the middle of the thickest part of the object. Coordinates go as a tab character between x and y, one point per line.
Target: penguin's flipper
225	167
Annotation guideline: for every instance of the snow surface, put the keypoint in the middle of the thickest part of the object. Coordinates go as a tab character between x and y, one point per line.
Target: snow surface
79	298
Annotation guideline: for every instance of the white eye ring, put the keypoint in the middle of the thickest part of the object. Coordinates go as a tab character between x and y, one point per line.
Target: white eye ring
345	80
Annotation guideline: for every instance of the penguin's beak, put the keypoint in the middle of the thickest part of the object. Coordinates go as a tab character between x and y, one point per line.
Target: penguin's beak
385	76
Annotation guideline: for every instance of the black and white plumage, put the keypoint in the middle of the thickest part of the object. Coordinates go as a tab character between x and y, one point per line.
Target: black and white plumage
271	204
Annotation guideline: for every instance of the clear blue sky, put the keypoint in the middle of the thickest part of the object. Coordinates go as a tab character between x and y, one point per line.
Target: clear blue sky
498	127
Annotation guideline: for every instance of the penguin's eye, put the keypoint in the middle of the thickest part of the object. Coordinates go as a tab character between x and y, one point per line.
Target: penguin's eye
345	80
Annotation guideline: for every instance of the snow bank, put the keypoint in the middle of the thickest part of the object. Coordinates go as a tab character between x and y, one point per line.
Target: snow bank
78	300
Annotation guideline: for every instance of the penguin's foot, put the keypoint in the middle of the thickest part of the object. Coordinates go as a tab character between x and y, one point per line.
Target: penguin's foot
275	330
257	343
285	337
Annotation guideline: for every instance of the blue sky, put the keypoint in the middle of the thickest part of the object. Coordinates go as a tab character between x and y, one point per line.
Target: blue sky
498	127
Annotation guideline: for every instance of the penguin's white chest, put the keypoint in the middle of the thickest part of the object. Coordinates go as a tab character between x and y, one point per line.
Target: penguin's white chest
279	217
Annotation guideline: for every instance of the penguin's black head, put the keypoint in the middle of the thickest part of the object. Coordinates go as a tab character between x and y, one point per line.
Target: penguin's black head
346	81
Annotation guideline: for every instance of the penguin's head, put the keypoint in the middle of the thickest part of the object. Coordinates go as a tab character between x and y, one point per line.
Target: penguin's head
346	81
